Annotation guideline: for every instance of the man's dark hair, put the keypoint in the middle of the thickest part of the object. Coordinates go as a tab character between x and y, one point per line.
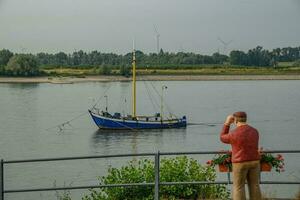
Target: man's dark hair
240	116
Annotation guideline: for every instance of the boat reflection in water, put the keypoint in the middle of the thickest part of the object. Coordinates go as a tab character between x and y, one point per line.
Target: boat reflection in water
109	142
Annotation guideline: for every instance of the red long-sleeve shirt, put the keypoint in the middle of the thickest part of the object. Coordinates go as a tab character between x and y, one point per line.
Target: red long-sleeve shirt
244	142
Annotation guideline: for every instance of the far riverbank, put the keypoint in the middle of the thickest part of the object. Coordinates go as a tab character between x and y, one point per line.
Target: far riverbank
146	77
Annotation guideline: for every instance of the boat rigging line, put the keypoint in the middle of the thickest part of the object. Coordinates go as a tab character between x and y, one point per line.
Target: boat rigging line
153	101
220	123
62	126
104	93
164	102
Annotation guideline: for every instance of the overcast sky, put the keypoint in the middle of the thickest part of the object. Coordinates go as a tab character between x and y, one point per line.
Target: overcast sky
111	25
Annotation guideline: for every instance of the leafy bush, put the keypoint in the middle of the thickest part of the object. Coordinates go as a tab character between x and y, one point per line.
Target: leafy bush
125	70
105	70
2	71
62	195
65	195
5	55
182	169
171	170
22	65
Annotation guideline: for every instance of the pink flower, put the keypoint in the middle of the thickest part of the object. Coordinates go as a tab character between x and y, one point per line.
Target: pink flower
209	162
280	166
279	157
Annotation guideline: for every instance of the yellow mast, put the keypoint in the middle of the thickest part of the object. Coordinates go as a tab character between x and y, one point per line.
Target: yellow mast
133	84
162	102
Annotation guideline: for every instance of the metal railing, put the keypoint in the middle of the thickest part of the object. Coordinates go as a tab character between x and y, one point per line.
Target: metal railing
156	183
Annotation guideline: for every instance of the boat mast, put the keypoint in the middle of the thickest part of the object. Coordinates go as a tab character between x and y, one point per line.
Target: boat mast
106	103
162	102
133	83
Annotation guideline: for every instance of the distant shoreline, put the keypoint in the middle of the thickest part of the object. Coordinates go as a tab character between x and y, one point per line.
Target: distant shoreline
146	77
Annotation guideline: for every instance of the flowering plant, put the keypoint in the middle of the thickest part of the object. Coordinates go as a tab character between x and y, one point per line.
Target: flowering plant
223	158
276	162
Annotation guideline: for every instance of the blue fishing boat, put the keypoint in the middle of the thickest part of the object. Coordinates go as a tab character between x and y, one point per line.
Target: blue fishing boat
105	120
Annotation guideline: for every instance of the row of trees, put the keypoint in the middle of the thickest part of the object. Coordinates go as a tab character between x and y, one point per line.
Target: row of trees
18	65
21	64
254	57
261	57
95	58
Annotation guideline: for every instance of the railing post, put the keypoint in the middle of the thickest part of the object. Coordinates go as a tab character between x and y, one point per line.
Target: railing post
156	168
259	174
228	177
2	180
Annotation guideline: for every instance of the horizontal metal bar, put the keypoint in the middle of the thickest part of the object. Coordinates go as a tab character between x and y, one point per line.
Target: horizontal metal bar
195	183
281	182
226	182
222	152
134	155
191	153
282	151
142	184
79	187
77	158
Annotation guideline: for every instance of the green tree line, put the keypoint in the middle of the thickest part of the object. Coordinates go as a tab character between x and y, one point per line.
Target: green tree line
29	64
262	57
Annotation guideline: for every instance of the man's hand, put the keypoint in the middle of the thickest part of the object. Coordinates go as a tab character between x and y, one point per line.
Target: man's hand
229	120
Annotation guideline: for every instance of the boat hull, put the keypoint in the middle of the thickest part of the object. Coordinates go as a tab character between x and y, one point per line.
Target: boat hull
112	123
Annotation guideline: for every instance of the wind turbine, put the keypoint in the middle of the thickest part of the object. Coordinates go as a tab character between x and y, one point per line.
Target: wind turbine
157	38
225	44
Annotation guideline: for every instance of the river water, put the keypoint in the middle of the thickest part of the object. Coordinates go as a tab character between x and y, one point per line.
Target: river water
30	114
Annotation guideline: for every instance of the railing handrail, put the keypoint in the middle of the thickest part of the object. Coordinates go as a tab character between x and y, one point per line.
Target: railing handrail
156	184
133	155
76	158
143	184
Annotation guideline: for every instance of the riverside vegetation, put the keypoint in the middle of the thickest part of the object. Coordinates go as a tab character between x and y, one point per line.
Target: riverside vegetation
177	169
254	62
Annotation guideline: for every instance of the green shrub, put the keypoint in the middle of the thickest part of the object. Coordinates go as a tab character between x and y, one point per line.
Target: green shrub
62	195
105	70
125	70
171	170
2	71
22	65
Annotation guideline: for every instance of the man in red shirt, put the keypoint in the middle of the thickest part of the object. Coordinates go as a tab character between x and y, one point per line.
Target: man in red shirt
245	156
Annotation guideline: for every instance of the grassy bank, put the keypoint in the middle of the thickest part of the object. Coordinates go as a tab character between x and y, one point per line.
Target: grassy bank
200	70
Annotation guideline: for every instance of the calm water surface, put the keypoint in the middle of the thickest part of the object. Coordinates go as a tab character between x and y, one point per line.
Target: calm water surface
30	113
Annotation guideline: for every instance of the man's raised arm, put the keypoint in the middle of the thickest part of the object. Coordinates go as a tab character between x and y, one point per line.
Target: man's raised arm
224	136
